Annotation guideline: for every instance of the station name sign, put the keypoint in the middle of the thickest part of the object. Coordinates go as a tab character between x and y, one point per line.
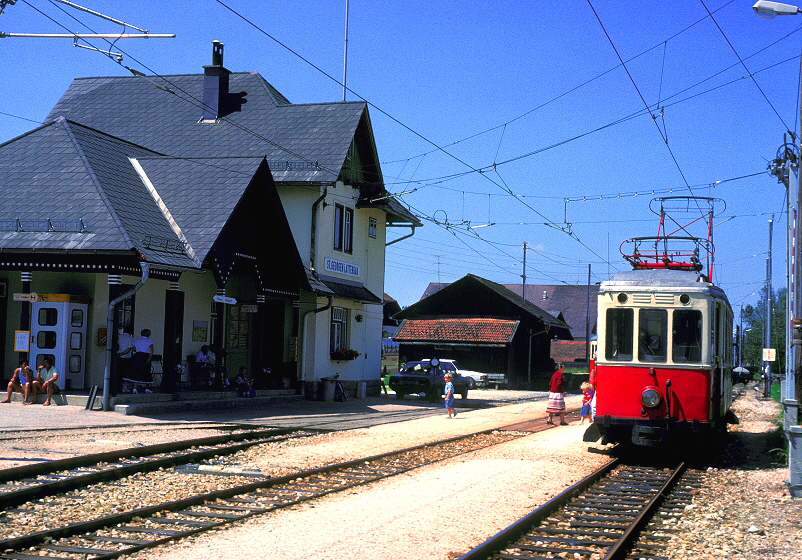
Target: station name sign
349	269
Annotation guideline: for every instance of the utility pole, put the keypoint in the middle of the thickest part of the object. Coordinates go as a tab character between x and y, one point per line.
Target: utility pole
523	276
345	52
767	322
587	323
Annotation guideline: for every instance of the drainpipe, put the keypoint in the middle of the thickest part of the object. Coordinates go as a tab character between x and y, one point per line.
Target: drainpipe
110	335
312	241
303	324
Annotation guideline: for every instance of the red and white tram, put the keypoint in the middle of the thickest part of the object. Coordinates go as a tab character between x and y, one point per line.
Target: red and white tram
664	355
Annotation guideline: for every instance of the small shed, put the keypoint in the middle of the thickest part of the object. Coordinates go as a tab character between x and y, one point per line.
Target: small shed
484	327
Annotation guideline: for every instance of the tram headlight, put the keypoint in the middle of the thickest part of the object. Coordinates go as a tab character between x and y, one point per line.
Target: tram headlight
650	398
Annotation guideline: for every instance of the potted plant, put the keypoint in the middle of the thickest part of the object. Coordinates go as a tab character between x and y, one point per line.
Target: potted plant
344	354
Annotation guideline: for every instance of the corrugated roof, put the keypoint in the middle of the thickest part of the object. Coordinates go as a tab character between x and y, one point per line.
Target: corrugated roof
457	330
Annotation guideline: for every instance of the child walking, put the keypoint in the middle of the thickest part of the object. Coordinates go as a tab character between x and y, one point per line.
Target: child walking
587	397
449	396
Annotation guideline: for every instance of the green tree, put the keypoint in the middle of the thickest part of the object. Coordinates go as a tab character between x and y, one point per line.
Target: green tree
753	319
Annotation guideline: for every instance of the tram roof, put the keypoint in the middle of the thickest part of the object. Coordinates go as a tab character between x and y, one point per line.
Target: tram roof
688	280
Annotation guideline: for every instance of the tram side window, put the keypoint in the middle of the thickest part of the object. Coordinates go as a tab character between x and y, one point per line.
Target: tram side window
687	330
652	335
619	334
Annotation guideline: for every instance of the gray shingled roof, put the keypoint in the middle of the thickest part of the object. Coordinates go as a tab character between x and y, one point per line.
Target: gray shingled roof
73	188
312	139
200	193
172	210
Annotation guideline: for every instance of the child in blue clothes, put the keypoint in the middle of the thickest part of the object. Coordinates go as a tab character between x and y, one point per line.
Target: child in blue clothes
449	396
587	397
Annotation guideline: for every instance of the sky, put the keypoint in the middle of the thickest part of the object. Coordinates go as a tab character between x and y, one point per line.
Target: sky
550	125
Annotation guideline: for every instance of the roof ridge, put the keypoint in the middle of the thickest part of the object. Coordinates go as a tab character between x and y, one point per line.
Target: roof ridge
151	188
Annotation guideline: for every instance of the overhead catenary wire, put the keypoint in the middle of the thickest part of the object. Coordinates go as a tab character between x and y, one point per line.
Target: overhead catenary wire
643	99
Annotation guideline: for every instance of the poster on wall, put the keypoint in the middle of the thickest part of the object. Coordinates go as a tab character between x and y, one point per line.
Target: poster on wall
200	331
21	341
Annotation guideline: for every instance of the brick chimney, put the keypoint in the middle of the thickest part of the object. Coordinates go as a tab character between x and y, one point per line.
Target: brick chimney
215	85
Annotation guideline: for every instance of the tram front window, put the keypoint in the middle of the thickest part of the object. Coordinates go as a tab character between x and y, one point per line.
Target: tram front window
652	335
687	330
618	346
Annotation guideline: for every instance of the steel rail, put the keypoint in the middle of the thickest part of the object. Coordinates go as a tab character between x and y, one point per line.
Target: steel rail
517	529
626	540
82	528
615	550
115	472
50	467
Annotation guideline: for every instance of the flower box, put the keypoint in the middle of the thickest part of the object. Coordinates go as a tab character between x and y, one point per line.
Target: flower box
344	354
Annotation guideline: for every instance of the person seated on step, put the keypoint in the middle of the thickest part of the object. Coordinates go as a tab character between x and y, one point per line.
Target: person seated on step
22	382
45	381
243	384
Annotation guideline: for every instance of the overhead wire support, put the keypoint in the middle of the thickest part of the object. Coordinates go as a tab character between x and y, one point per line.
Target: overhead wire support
102	16
88	35
144	34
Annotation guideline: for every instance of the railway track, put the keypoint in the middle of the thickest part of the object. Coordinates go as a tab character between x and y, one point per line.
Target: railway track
112	536
19	485
619	511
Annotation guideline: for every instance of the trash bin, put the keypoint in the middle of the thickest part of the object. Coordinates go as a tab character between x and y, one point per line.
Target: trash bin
328	389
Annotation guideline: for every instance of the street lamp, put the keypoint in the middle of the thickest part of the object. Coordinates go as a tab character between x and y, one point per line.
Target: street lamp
766	9
791	394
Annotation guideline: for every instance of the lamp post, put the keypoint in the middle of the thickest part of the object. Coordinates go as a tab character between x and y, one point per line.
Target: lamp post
792	393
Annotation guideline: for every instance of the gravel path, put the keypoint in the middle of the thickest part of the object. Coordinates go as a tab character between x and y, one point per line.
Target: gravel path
745	511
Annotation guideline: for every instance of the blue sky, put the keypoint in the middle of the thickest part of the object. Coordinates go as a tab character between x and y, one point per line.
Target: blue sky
512	113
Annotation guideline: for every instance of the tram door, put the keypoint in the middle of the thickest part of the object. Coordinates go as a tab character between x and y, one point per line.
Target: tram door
58	331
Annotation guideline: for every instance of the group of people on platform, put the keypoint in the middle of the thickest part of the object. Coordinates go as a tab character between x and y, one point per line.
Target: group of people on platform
25	381
134	355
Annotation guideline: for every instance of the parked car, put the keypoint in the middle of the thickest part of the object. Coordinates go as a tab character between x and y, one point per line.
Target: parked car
425	378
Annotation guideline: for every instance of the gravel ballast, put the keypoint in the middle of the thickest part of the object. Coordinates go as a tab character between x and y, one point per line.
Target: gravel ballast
444	509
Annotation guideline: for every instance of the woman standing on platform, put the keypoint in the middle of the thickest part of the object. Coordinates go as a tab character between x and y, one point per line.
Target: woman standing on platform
557	396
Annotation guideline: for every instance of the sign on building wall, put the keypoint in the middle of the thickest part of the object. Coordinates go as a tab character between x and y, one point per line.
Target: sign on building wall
341	267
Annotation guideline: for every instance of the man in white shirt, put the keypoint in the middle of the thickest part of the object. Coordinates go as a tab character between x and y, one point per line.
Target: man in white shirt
45	381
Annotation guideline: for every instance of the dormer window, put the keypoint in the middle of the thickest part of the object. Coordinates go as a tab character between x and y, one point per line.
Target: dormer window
343	228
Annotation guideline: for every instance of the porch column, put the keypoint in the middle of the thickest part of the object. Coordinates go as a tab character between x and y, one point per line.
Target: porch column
115	282
173	336
25	313
218	339
257	369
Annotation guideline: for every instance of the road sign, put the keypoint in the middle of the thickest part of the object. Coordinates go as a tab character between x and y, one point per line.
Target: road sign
32	297
224	299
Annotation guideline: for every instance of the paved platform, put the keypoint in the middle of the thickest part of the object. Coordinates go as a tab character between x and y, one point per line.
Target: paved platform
288	410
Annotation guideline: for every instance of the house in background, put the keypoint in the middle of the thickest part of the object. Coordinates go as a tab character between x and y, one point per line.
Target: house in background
239	218
485	327
574	304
